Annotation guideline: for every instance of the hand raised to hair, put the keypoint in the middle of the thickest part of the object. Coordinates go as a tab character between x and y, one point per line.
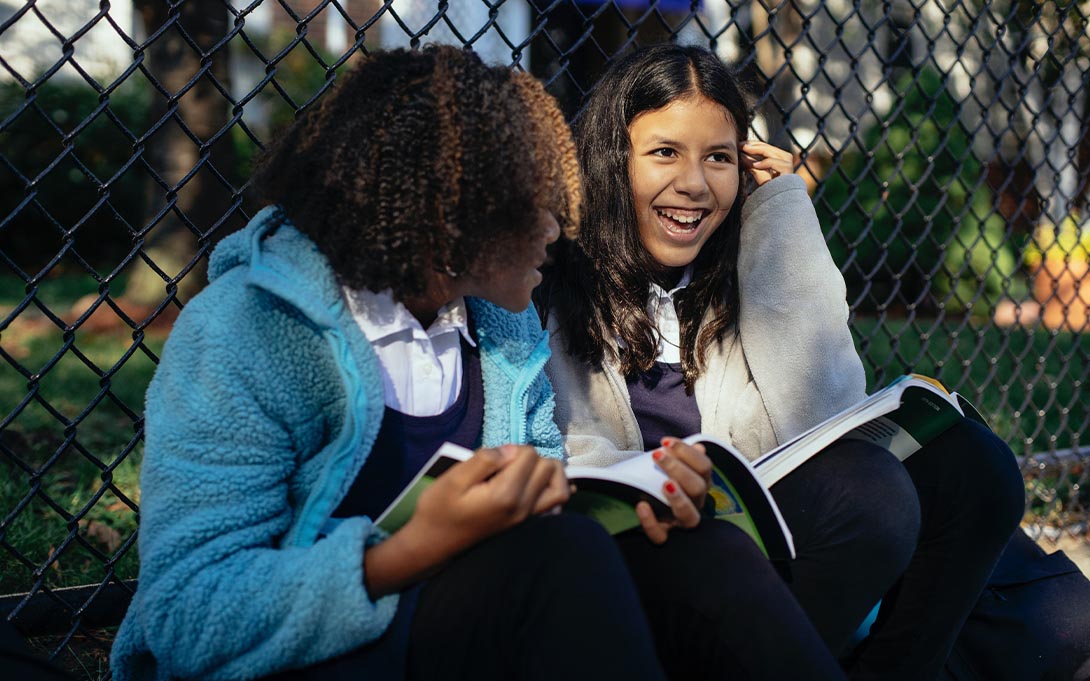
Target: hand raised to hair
766	162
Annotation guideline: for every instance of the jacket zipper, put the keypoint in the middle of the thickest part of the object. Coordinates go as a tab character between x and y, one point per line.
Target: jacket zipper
535	363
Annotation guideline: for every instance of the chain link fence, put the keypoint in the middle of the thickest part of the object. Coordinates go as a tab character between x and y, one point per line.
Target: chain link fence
946	145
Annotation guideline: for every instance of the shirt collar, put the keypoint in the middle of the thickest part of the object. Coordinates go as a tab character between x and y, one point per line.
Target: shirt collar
380	316
658	293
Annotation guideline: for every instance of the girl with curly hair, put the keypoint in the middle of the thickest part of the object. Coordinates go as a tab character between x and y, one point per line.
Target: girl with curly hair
378	307
699	296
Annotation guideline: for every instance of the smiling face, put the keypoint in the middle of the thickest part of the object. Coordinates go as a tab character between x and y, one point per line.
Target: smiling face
684	169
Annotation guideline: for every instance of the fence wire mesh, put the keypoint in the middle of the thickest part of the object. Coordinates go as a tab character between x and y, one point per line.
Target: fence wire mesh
946	145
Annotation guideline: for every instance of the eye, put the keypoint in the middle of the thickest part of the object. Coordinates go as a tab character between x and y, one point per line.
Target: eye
721	157
664	152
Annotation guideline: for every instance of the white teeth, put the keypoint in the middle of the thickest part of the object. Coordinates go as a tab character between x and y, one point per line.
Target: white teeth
683	219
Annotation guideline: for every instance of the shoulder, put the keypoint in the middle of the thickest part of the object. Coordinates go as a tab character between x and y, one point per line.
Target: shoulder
234	340
781	196
232	318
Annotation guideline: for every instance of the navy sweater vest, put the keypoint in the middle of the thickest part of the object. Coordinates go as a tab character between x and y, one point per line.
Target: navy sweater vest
405	443
661	405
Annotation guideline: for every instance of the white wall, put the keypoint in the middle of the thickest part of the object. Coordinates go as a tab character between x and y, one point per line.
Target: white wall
30	48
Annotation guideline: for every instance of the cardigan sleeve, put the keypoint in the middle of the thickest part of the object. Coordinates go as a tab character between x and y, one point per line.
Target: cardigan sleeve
226	434
793	317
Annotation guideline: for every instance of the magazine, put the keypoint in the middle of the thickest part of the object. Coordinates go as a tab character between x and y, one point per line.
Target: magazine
902	417
609	494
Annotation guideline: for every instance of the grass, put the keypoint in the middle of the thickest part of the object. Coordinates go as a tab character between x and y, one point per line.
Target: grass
86	655
1028	382
70	443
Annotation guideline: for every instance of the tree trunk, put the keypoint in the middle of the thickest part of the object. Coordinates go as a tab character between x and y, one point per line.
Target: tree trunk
194	200
777	27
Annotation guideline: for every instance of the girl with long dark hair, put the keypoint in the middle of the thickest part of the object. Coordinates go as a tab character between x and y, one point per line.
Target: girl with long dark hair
699	295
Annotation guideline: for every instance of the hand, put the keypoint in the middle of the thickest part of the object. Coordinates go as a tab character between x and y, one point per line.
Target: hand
690	472
492	491
766	162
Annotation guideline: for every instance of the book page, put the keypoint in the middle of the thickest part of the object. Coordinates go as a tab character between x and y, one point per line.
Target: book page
918	405
401	509
640	472
609	494
886	433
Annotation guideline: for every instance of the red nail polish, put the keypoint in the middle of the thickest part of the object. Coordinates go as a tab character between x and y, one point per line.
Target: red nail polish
671	488
667	441
657	455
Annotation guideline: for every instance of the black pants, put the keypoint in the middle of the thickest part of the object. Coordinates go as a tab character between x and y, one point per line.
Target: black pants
20	663
719	610
548	599
1032	623
922	537
553	599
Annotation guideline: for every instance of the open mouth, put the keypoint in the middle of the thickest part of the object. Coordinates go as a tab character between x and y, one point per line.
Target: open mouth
681	221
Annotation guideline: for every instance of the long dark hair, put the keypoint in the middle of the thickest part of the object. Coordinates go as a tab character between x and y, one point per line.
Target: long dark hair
598	285
423	160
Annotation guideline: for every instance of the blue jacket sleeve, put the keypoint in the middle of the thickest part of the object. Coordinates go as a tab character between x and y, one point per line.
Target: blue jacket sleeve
227	434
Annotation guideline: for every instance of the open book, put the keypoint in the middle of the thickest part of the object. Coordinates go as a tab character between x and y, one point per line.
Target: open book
902	417
609	494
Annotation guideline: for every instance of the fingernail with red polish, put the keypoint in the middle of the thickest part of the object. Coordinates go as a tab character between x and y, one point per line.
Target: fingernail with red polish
667	441
671	488
657	455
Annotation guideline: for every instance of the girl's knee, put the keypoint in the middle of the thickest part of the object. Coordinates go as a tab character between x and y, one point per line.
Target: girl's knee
712	565
717	542
566	539
860	503
885	508
987	470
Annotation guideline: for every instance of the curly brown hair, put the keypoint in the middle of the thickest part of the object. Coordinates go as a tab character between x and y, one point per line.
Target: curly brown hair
422	161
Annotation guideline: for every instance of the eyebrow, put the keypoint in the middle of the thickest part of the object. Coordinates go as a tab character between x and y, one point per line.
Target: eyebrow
667	142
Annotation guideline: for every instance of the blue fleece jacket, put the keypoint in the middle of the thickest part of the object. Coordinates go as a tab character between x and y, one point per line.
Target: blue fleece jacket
263	410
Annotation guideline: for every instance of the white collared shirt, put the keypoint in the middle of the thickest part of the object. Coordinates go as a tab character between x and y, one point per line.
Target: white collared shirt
660	307
421	370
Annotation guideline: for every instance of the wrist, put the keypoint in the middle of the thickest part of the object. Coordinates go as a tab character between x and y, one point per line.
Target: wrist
402	559
422	546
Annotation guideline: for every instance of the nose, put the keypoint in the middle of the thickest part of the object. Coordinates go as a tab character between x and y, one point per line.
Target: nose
549	226
690	179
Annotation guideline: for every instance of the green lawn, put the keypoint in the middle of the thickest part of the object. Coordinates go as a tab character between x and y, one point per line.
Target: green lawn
1030	383
70	445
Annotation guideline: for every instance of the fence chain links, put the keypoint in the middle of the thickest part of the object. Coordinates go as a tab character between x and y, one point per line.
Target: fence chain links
945	143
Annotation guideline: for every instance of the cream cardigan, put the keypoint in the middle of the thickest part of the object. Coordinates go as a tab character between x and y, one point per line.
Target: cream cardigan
790	365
